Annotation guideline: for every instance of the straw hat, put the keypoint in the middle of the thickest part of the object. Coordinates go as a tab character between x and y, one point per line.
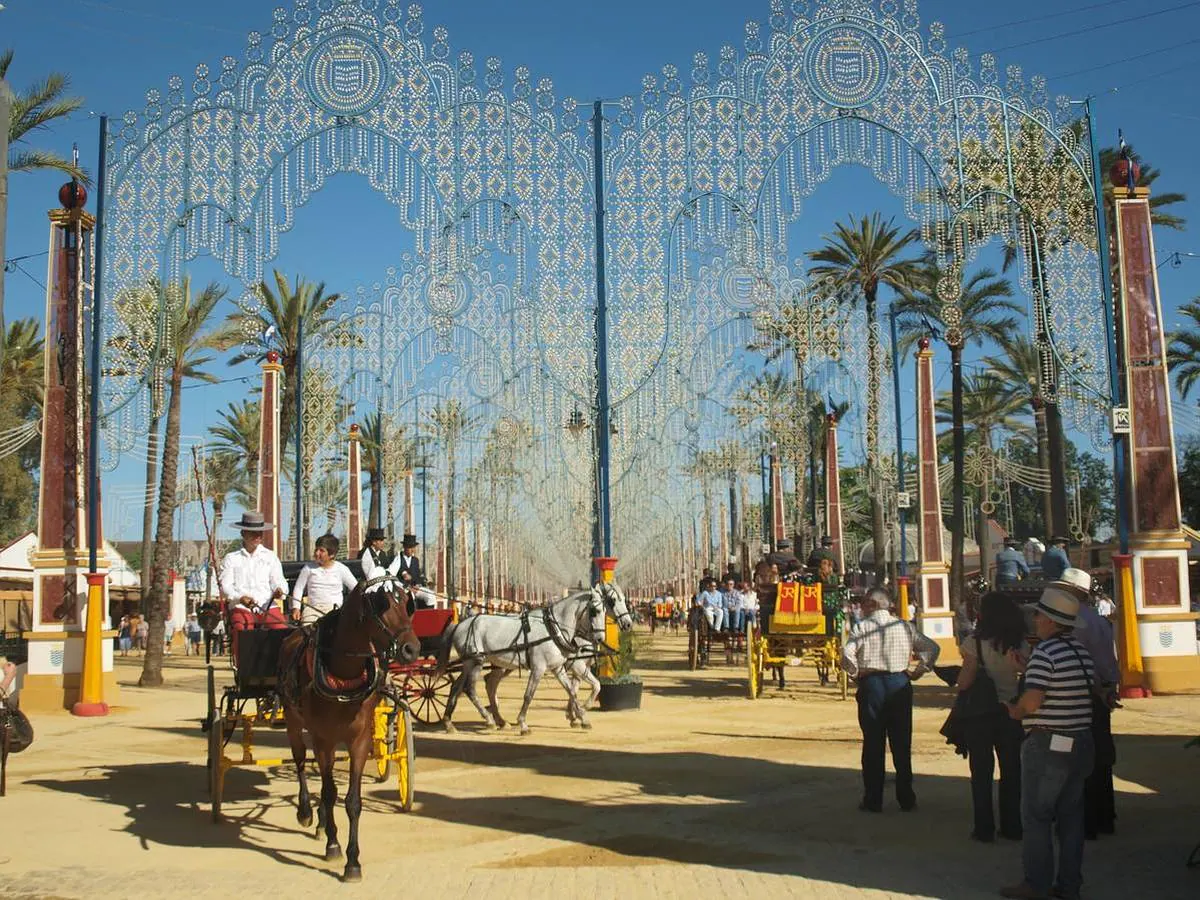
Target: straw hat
252	521
1060	600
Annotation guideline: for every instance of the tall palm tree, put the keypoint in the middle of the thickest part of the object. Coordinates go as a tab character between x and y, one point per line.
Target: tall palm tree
986	313
189	340
381	439
1020	369
870	254
237	433
989	407
1183	350
21	370
20	411
282	310
33	109
449	422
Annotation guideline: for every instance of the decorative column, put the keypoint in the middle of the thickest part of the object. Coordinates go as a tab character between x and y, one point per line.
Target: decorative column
722	540
441	547
777	524
268	452
606	566
410	518
833	495
51	679
933	574
354	530
1165	626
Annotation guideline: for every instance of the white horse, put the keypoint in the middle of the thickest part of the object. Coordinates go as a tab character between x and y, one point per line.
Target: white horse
543	640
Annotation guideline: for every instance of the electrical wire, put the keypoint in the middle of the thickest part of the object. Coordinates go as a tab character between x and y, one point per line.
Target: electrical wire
1114	62
1041	18
1141	17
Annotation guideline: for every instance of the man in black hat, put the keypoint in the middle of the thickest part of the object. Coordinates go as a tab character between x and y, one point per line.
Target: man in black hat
824	552
1010	564
372	554
407	566
783	558
1055	560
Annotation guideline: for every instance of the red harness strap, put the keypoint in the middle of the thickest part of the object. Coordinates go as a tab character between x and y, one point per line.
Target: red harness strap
332	682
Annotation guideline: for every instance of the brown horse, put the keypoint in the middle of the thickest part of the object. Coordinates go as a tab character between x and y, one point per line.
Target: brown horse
329	679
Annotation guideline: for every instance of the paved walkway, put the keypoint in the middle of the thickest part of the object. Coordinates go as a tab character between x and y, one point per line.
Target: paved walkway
702	793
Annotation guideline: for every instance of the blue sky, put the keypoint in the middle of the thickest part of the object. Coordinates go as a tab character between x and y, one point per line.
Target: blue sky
116	51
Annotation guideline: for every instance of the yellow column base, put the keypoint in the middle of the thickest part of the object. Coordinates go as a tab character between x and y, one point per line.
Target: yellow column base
51	693
1172	674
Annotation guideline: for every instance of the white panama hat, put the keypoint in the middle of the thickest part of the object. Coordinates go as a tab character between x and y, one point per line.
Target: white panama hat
1060	600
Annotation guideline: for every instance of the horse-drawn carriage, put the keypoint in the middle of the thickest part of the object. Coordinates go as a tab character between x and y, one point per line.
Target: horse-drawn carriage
799	620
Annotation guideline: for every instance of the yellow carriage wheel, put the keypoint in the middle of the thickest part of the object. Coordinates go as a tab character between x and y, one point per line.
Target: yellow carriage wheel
404	756
753	660
381	745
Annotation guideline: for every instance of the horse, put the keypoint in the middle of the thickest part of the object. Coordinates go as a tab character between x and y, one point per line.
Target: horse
542	640
330	674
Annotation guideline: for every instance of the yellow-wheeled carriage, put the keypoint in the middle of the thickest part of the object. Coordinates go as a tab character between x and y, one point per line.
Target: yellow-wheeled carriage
793	626
251	702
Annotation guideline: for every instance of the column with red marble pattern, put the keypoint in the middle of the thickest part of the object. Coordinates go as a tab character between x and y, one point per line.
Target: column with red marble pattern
933	572
268	451
833	495
354	530
1166	627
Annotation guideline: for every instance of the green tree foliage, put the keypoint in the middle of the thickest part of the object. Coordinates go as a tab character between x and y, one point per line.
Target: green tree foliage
20	406
1189	482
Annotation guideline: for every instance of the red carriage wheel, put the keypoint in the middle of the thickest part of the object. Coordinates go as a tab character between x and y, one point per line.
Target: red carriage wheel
427	692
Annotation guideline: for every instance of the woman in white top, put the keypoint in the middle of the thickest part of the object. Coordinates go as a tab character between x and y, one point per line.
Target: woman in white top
322	583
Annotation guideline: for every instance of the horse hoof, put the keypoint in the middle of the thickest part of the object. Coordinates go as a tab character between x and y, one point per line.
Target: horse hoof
450	729
574	724
333	854
501	724
586	726
305	818
491	726
352	875
524	730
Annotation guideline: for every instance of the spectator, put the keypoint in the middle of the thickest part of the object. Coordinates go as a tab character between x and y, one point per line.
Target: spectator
710	601
749	602
124	636
168	634
732	600
998	645
143	634
1055	560
192	632
1010	564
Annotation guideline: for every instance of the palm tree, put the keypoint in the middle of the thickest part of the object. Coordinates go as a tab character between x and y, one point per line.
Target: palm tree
870	254
449	422
281	314
985	313
1183	350
1158	202
989	407
237	434
1020	369
380	439
189	338
20	412
21	370
33	109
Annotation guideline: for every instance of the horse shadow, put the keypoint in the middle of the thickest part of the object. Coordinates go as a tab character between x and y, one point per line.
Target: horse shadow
165	803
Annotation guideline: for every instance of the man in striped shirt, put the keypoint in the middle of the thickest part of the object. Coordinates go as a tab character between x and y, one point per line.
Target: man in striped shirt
1058	752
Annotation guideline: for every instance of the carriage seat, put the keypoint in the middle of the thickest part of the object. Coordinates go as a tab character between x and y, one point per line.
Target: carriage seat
797	609
256	656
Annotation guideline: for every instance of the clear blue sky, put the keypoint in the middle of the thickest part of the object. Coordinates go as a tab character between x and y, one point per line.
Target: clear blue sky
116	51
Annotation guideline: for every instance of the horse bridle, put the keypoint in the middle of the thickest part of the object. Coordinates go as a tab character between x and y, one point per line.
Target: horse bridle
375	586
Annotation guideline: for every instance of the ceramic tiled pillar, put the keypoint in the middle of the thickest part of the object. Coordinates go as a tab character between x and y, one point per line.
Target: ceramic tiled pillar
354	529
933	573
833	495
268	451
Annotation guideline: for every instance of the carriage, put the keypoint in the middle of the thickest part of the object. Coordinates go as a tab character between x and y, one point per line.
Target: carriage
252	702
798	620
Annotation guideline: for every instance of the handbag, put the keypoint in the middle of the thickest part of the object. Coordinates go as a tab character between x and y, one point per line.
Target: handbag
975	708
16	731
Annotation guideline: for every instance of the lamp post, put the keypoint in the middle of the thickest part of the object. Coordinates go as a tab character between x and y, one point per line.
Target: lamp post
602	535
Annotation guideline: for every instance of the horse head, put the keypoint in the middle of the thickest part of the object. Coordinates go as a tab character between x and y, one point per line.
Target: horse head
387	607
613	599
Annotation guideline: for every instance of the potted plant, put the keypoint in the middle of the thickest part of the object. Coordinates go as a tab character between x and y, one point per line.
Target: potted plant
622	689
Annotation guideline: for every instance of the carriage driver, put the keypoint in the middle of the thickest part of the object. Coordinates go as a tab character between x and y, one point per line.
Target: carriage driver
321	582
252	577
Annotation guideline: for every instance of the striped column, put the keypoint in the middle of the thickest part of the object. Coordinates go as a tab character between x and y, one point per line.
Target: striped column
354	531
833	495
268	451
933	573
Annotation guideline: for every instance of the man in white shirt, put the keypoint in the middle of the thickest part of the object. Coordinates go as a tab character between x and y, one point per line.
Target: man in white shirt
322	583
878	654
252	576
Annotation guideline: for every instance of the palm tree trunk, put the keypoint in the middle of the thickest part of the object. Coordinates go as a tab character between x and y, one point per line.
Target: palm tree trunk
147	574
878	531
160	594
958	575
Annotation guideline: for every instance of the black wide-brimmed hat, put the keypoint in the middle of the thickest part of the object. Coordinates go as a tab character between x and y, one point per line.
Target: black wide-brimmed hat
252	521
410	540
376	534
1059	539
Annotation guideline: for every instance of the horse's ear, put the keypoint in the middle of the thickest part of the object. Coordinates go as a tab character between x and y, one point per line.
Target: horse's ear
410	605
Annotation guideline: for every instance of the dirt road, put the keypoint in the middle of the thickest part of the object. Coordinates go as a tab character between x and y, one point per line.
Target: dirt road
700	793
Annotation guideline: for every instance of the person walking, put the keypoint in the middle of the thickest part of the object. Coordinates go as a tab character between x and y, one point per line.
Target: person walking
192	633
1010	564
124	636
878	654
1055	560
1058	752
143	634
997	648
323	583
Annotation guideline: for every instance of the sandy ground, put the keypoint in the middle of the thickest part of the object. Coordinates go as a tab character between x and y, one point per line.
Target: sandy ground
701	792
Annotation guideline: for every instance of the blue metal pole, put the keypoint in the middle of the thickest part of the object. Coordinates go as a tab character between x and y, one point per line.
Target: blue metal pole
603	414
899	439
93	462
1116	383
299	428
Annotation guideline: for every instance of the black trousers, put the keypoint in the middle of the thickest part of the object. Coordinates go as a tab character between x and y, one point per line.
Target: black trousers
996	739
1099	803
885	717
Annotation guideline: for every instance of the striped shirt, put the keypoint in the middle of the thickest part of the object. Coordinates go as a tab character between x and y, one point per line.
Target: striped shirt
1062	668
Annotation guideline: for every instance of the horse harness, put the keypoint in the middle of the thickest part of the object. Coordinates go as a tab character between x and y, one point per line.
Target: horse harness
555	633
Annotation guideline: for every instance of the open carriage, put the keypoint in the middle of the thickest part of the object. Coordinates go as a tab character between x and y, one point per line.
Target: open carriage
797	621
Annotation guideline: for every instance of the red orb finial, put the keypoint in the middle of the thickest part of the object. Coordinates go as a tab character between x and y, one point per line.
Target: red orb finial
831	419
72	195
273	357
923	343
354	429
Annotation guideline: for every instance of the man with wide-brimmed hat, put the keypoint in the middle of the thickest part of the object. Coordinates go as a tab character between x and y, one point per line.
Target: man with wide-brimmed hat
1055	560
373	555
406	566
1010	564
1059	751
252	576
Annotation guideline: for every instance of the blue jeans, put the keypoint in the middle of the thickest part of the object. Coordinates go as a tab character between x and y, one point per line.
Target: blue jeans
1052	795
885	717
736	619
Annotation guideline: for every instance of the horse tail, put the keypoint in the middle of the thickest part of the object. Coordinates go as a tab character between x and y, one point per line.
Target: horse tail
443	656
